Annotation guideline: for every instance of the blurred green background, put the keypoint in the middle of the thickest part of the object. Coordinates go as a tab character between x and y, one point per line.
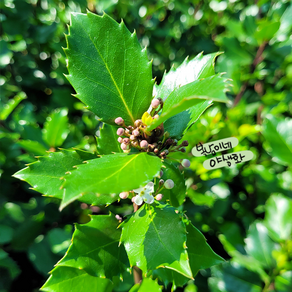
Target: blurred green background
245	212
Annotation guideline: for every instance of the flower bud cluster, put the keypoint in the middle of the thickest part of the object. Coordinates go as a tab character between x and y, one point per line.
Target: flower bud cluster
156	141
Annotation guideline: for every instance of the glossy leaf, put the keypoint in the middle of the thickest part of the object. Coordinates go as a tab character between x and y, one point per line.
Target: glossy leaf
201	66
107	142
175	196
75	280
95	248
44	175
278	217
107	68
56	128
233	278
148	244
191	94
201	255
259	245
110	174
277	133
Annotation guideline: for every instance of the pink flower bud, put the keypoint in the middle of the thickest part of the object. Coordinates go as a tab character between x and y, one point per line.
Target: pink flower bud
169	184
159	197
155	103
124	195
126	140
136	133
144	144
125	146
132	137
120	131
119	121
138	123
120	140
185	163
118	217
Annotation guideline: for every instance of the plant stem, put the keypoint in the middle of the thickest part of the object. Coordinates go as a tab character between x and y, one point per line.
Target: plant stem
137	272
258	58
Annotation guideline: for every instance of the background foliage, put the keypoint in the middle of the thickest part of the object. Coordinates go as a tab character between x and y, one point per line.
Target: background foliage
245	212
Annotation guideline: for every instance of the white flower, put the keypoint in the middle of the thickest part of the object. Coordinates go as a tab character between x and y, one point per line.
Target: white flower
144	194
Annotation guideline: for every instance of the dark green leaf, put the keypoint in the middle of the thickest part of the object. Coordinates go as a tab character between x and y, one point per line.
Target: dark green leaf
168	276
7	263
107	68
107	142
278	217
154	237
6	233
201	255
95	248
277	132
109	175
56	128
175	196
75	280
25	234
233	278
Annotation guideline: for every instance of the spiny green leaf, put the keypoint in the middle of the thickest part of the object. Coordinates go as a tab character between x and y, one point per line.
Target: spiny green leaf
201	255
191	94
56	128
95	248
75	280
110	174
107	68
148	244
44	175
107	142
175	196
201	66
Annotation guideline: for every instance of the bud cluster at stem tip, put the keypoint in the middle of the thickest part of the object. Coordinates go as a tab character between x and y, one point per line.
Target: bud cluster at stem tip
137	136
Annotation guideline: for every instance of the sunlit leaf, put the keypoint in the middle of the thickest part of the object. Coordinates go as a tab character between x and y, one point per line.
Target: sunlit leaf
107	68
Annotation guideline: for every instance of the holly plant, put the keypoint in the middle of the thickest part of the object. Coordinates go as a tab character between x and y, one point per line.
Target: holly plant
140	158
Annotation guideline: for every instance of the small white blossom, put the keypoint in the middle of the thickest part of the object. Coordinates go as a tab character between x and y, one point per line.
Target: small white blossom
144	194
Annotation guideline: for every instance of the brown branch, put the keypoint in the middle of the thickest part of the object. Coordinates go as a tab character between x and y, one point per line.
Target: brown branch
137	272
258	58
